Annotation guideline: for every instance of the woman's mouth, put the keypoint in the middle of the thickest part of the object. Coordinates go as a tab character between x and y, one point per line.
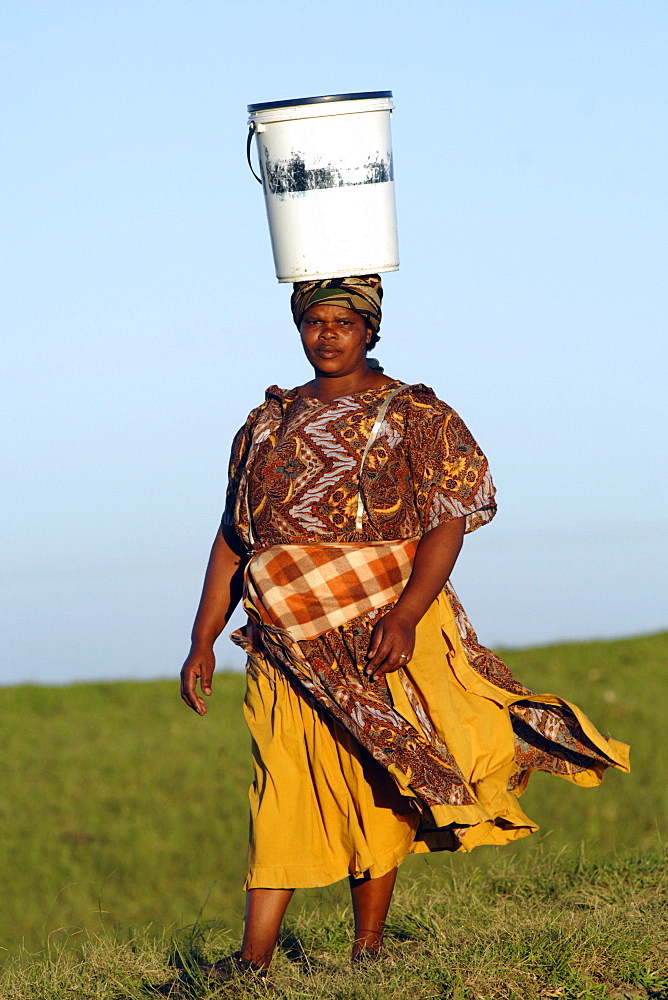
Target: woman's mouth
327	352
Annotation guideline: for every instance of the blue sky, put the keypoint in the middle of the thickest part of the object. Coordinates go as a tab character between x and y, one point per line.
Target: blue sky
141	318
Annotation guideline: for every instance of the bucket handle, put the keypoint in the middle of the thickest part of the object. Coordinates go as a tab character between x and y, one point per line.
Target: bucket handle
251	133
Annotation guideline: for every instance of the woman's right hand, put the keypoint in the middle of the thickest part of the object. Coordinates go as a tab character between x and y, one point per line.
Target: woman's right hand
200	663
223	586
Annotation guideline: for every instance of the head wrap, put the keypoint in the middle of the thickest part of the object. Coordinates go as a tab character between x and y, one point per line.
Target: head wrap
362	294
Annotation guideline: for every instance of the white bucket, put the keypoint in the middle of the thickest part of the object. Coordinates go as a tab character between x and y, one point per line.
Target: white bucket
328	179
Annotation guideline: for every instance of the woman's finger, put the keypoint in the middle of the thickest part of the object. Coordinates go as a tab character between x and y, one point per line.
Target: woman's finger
394	661
206	678
191	698
394	652
378	652
189	675
387	655
376	639
391	646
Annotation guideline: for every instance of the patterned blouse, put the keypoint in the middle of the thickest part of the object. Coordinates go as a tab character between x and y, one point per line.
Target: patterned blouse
294	469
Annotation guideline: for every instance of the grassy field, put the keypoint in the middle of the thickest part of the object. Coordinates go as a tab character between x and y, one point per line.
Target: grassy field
120	809
555	929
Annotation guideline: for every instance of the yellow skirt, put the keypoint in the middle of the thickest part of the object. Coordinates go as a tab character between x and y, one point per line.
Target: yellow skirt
322	808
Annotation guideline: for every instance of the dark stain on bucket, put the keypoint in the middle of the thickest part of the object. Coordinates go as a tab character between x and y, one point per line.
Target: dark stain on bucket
291	176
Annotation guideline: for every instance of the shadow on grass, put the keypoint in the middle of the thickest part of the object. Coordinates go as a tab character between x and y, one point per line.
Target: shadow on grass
291	946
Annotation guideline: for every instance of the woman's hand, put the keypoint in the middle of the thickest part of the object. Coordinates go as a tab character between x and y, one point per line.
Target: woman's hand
393	639
200	663
223	585
392	642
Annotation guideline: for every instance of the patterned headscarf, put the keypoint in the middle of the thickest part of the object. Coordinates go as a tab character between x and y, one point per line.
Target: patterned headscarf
363	294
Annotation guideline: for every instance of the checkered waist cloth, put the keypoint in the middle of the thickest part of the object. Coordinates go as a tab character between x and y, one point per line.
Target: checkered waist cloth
306	590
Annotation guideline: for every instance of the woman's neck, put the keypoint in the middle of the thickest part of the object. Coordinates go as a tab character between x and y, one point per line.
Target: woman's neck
326	387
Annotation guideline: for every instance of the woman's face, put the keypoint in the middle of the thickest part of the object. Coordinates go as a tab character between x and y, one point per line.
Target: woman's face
334	338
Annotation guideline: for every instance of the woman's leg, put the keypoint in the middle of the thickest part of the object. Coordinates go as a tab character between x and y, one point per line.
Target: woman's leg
265	909
371	901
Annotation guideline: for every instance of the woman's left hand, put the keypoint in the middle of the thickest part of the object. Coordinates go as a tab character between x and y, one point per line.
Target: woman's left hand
393	639
392	643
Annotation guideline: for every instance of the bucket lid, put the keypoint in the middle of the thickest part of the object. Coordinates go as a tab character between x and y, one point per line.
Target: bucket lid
326	99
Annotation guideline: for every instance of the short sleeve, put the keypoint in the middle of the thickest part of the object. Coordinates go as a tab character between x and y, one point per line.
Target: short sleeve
259	425
451	476
239	452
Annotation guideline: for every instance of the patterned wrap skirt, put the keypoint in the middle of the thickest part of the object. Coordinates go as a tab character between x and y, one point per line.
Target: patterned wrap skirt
350	774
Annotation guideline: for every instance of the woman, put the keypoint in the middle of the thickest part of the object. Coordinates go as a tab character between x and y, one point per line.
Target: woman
380	726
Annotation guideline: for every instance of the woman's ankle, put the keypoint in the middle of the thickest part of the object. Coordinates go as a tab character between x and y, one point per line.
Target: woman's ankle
367	943
258	956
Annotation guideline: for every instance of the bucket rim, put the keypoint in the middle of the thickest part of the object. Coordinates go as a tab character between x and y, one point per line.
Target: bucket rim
346	272
322	99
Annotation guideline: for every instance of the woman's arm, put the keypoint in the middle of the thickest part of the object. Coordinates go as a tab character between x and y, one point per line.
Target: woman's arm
223	585
394	634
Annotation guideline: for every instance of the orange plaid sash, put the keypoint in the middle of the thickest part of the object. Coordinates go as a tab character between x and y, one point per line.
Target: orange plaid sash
306	590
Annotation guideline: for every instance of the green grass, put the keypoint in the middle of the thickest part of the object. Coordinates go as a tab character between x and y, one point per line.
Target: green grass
120	805
121	809
555	929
